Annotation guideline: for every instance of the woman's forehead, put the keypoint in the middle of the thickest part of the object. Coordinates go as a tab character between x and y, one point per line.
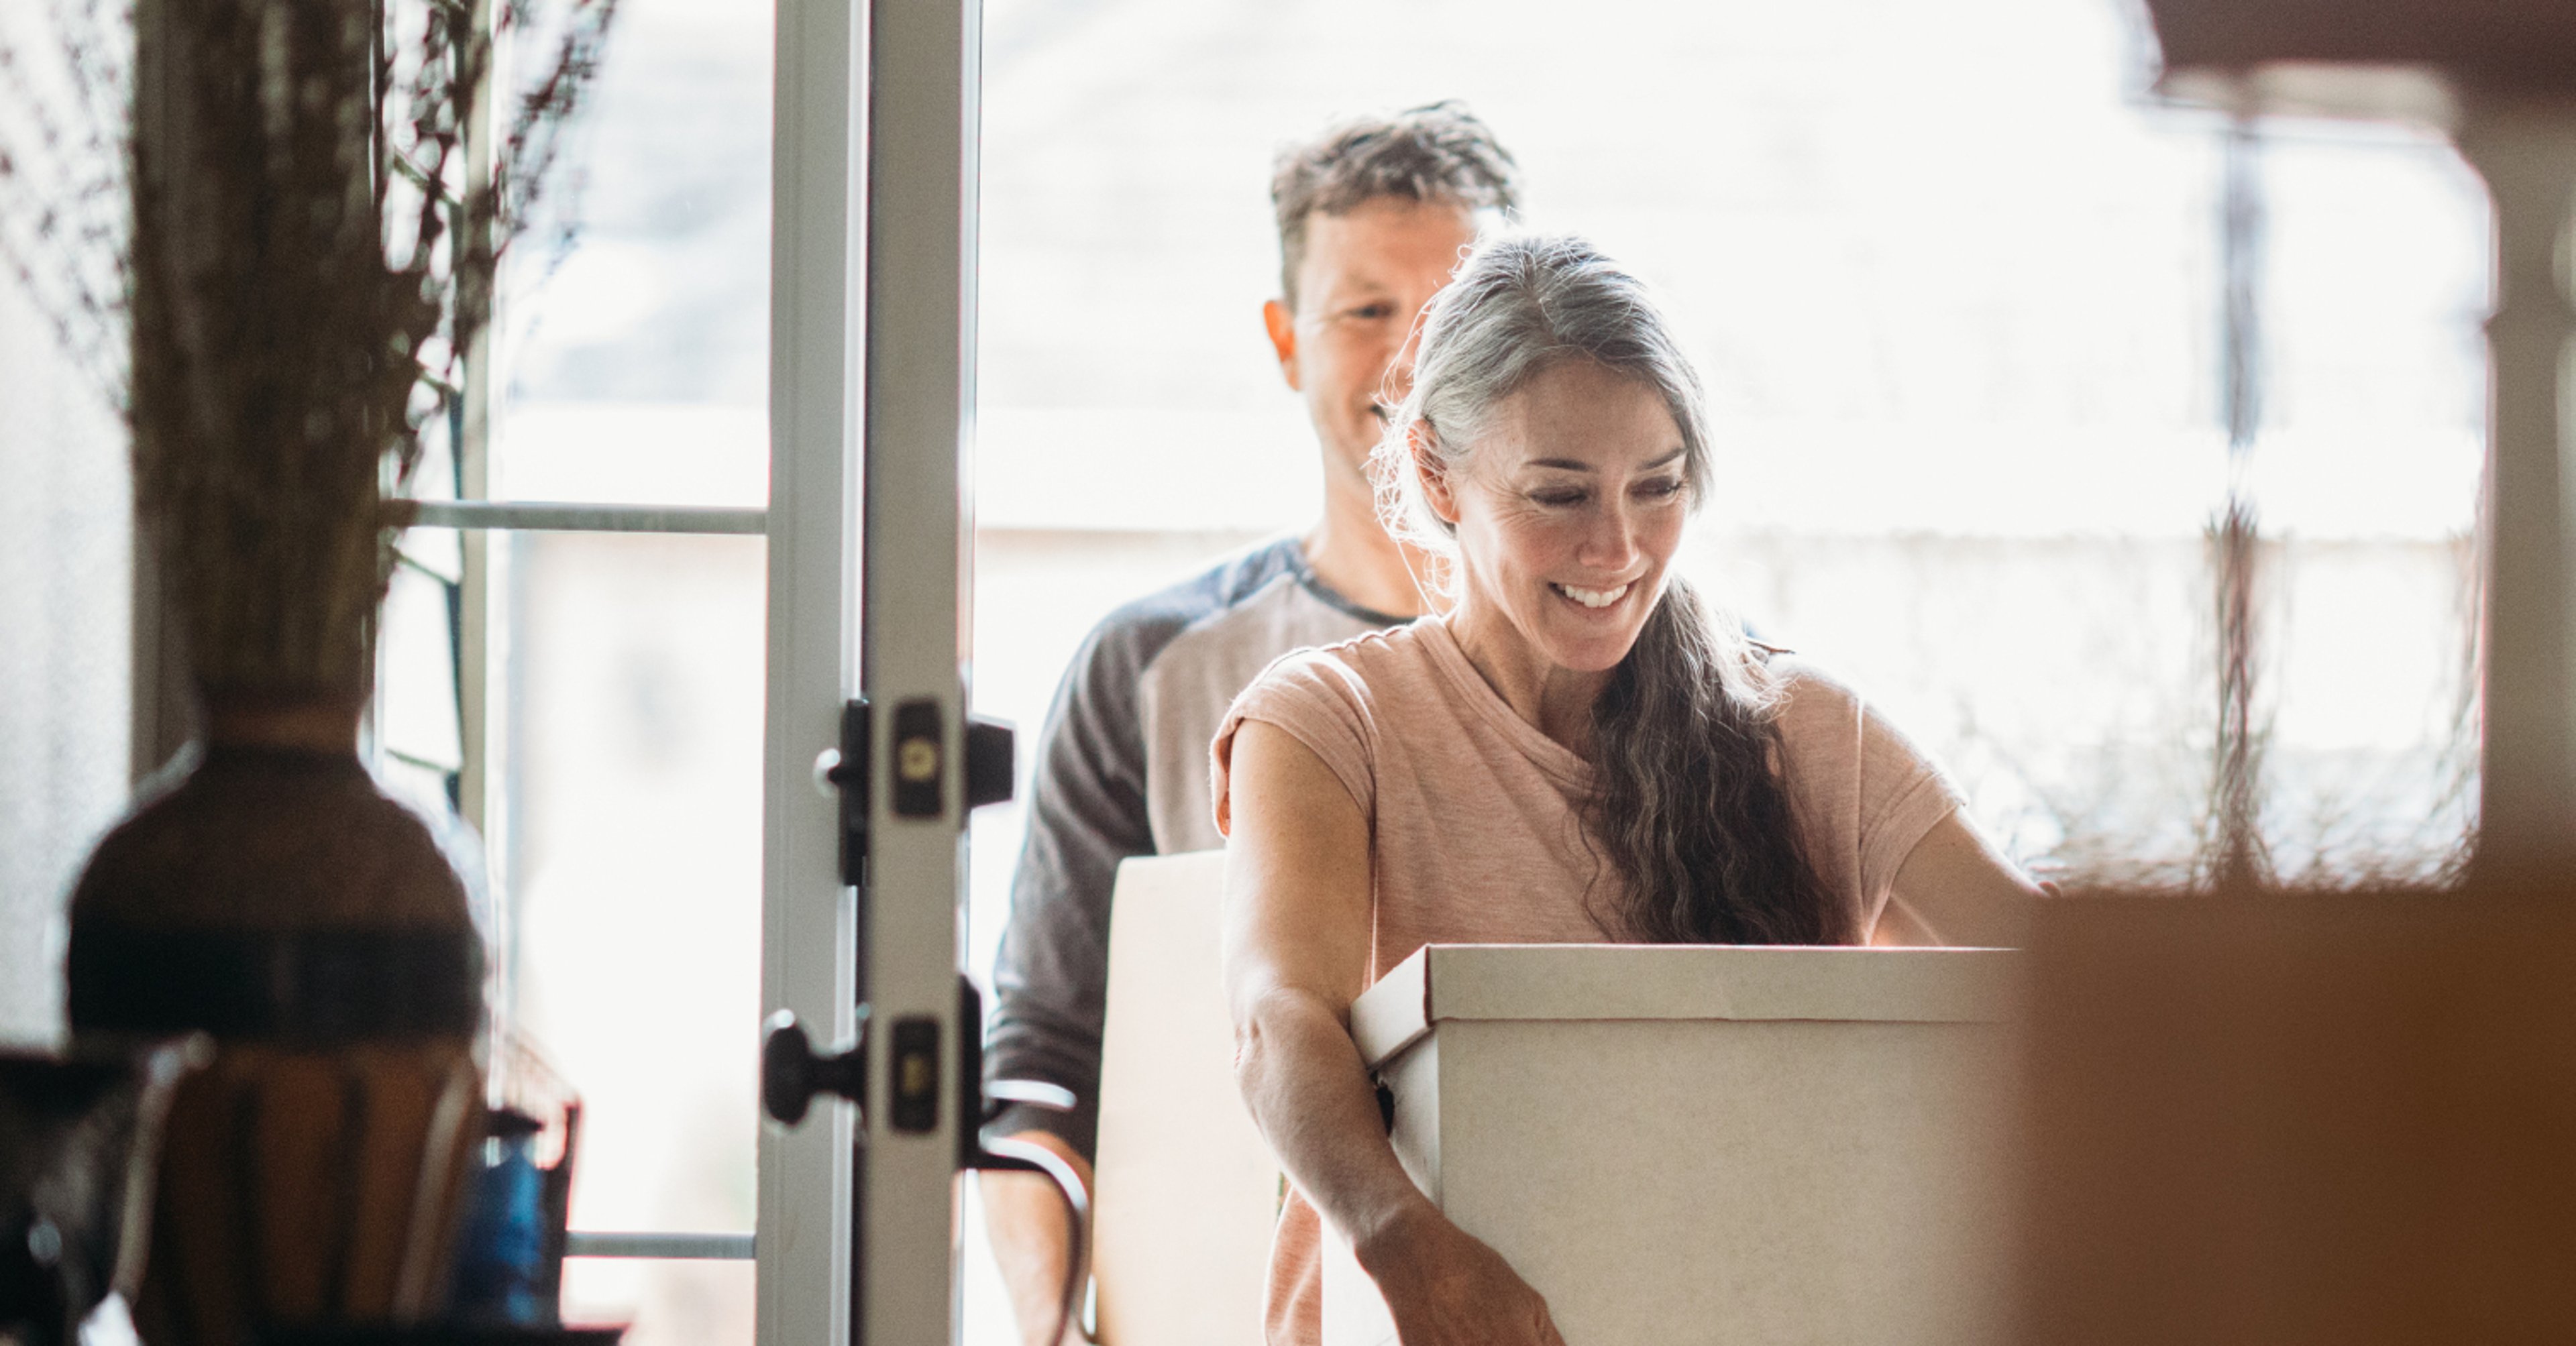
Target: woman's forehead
1580	417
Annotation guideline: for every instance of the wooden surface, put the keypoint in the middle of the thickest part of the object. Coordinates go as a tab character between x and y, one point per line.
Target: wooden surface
2337	1118
2510	43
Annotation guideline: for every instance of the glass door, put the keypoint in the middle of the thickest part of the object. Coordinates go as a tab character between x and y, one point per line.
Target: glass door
749	363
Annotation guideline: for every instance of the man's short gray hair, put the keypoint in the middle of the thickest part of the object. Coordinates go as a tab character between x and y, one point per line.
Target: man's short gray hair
1438	152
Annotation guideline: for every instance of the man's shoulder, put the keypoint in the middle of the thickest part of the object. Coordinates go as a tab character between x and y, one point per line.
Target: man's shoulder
1134	633
1228	583
1218	654
1147	624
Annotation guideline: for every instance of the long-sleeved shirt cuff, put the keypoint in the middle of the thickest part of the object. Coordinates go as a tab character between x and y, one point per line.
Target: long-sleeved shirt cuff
1079	1128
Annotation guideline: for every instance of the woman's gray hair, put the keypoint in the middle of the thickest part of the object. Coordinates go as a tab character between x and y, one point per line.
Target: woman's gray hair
1686	803
1519	305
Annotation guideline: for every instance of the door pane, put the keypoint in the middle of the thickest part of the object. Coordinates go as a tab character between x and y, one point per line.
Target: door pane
633	368
636	356
635	825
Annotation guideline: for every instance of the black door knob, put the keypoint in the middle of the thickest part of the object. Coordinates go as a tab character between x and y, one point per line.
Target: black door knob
791	1072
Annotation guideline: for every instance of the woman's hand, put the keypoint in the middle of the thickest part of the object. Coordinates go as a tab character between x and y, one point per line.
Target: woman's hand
1444	1287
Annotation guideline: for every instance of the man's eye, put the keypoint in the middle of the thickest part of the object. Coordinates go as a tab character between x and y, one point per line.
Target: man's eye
1557	499
1374	312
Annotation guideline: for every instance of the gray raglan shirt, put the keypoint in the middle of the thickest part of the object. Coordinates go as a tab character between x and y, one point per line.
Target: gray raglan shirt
1121	770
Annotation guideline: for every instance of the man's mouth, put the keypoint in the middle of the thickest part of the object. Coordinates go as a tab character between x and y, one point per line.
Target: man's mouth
1593	598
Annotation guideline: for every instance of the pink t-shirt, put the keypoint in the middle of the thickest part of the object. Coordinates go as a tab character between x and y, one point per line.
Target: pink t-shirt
1476	834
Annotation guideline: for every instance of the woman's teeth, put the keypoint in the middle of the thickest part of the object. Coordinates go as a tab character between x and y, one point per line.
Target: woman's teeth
1592	598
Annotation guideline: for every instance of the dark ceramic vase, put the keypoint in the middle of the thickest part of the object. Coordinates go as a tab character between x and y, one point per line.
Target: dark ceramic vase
311	1173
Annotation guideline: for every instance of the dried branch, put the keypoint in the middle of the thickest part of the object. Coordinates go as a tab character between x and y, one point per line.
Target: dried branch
2237	856
62	192
303	257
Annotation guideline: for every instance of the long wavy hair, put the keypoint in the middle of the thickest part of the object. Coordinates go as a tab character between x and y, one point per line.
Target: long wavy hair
1687	801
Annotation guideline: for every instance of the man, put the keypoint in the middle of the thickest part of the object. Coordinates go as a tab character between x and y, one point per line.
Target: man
1372	218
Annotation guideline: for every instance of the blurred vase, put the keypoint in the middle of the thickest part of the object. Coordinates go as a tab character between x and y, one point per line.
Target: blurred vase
274	898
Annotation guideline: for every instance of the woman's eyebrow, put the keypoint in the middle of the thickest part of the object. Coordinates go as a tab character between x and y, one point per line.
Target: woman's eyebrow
1574	465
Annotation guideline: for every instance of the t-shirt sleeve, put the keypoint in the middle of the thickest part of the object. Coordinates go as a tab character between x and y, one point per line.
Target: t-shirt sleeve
1865	794
1317	700
1903	795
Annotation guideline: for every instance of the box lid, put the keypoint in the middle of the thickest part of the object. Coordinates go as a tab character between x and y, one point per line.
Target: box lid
1679	981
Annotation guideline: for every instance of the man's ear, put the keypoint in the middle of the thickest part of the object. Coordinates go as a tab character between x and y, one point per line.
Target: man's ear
1437	490
1283	339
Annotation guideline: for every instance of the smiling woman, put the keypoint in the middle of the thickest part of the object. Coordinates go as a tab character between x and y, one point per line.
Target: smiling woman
1552	445
1576	752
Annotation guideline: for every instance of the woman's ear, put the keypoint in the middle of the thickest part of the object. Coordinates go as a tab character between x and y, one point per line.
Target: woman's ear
1437	489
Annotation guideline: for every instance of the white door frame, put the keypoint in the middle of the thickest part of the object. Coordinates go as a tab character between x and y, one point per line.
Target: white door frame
919	398
874	213
808	919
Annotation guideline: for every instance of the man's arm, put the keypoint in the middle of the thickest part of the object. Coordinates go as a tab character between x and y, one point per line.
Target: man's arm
1026	1220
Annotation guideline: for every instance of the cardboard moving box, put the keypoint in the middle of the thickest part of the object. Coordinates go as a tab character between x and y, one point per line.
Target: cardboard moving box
1695	1144
1186	1191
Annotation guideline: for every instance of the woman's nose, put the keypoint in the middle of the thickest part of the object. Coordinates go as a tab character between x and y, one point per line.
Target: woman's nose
1611	542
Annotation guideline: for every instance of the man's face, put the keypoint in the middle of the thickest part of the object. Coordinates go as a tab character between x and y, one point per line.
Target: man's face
1366	276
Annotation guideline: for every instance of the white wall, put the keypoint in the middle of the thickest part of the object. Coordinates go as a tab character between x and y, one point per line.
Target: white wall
65	568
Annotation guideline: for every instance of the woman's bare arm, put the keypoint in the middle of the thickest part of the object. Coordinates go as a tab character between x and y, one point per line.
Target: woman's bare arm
1296	956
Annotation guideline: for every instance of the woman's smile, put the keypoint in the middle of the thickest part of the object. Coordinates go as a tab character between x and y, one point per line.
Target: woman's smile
1595	599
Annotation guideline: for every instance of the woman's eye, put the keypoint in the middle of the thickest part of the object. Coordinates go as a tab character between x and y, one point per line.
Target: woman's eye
1661	490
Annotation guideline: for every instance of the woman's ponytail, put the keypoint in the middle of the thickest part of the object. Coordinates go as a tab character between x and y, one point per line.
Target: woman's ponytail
1688	801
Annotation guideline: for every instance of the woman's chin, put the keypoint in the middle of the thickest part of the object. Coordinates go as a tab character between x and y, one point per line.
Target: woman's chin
1557	632
1591	652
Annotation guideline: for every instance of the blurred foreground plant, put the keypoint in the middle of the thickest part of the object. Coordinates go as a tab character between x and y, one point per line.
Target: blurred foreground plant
255	223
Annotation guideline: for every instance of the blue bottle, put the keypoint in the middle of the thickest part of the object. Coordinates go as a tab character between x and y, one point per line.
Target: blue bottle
500	1251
